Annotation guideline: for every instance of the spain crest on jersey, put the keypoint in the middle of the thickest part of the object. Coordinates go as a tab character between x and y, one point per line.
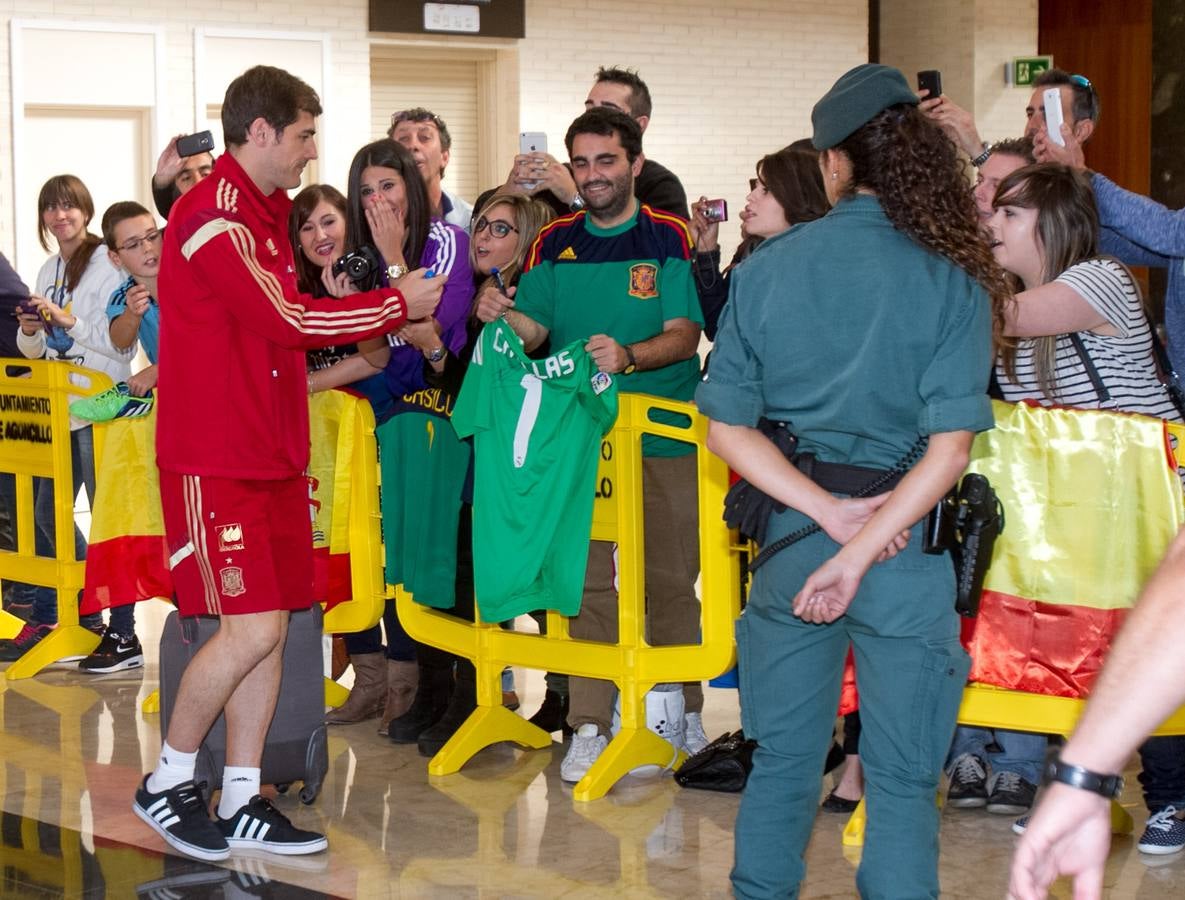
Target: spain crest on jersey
644	281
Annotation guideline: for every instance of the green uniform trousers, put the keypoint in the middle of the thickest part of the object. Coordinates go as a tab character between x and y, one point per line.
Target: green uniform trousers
910	670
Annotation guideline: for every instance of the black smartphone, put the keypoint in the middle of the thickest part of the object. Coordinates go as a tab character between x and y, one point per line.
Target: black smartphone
193	144
930	80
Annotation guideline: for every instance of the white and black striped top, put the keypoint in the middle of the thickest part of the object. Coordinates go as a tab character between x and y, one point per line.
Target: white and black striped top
1124	361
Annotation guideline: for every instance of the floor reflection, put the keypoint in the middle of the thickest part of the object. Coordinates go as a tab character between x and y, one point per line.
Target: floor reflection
73	748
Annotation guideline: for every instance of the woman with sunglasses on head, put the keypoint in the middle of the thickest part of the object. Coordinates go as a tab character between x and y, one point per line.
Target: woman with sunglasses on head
788	190
503	232
1083	340
66	319
869	333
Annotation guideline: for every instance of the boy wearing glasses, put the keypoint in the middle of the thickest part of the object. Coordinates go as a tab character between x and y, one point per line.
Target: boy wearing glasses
133	245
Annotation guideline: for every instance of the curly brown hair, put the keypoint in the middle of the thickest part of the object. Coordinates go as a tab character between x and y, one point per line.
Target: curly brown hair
915	171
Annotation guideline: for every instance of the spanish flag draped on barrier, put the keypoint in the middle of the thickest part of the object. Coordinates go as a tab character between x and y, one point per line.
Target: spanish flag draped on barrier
1091	500
128	558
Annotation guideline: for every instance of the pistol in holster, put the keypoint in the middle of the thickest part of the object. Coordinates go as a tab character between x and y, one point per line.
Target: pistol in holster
966	522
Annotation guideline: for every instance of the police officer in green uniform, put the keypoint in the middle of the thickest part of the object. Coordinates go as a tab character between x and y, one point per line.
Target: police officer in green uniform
869	333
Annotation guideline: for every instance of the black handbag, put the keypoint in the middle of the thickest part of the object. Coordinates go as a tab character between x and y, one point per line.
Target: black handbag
723	765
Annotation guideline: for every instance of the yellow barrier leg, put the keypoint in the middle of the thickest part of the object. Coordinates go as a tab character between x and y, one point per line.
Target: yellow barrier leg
335	694
64	641
151	704
1121	820
10	625
853	832
631	748
486	725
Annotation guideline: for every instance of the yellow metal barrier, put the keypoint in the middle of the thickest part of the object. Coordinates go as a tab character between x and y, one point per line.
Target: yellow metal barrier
34	443
632	664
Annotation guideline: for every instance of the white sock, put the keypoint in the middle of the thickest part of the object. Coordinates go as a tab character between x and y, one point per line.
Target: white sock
173	768
239	785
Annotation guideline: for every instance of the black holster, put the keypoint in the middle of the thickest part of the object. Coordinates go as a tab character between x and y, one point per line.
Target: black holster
966	522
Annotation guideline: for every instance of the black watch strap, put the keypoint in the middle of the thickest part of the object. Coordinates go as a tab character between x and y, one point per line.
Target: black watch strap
631	363
1109	786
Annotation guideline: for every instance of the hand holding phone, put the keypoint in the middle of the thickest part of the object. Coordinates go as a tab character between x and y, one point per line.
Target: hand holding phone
193	144
1053	115
930	80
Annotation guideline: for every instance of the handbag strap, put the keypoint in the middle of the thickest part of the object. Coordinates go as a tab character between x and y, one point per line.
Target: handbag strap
1091	372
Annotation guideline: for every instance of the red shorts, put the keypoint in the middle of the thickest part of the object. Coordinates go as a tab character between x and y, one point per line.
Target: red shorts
238	547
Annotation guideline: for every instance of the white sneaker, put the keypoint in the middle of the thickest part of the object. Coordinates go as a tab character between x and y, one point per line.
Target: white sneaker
586	748
694	738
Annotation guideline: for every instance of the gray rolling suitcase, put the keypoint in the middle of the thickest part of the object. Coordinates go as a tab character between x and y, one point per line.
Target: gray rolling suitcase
296	748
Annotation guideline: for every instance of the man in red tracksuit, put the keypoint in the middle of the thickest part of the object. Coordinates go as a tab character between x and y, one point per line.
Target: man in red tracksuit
233	445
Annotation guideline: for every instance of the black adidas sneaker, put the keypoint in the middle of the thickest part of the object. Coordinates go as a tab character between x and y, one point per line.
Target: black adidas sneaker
179	816
259	825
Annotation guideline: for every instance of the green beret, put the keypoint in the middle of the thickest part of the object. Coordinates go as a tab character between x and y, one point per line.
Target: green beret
855	99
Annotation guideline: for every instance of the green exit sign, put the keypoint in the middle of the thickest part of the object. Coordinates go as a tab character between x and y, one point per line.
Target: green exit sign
1026	69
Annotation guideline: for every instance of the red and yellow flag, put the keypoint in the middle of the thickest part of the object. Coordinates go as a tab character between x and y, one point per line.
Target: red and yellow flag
1091	501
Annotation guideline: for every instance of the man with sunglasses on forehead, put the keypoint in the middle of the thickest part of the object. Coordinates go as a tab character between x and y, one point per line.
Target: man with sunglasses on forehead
427	138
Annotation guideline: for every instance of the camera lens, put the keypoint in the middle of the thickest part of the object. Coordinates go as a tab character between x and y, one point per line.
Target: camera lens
357	267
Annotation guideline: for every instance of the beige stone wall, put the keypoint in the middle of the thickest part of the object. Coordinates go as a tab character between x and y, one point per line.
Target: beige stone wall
970	43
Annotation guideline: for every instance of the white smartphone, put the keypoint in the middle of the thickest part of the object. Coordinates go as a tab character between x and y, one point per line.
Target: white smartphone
1053	115
532	142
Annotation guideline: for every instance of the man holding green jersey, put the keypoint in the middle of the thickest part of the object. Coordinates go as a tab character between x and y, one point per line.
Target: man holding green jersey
617	275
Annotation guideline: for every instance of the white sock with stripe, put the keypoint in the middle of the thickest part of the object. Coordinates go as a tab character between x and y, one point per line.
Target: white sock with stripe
173	768
239	785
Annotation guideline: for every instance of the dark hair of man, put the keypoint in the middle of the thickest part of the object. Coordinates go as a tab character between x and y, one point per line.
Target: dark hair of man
268	93
417	115
308	276
388	154
793	177
1021	148
639	94
1068	233
120	212
915	171
70	190
606	122
1086	100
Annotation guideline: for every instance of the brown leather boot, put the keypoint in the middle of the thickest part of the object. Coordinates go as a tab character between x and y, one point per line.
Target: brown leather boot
366	699
402	679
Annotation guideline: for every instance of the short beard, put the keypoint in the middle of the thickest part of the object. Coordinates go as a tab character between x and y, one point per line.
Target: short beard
614	206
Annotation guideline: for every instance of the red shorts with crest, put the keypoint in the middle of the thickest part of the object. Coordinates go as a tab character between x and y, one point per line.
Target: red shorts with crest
238	547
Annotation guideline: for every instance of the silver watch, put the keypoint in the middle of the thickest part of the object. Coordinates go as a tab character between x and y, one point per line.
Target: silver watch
436	355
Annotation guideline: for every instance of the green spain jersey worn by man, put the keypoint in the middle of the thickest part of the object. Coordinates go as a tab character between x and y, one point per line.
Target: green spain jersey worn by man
626	281
537	427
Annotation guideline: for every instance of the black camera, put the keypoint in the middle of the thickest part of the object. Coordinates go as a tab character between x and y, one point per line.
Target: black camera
361	267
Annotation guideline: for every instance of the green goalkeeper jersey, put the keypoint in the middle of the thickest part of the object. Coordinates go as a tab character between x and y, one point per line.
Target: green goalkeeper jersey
537	427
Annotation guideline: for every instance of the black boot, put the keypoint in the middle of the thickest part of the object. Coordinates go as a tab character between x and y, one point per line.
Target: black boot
432	697
552	715
463	702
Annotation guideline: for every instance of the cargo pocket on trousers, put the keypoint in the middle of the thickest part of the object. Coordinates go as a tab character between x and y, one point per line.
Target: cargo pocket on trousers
936	703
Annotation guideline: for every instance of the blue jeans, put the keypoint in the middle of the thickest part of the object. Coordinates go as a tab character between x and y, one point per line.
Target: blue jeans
1021	752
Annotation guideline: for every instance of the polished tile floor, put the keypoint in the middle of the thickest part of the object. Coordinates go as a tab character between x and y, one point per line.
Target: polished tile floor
73	748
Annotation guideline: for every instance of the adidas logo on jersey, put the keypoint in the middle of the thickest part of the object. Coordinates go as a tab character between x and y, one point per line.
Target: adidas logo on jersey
568	253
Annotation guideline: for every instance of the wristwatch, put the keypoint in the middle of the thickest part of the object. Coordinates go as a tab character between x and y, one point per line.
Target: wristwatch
983	157
631	363
577	203
436	355
1109	786
396	271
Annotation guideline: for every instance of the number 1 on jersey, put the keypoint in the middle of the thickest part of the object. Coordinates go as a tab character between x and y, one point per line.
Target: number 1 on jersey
527	417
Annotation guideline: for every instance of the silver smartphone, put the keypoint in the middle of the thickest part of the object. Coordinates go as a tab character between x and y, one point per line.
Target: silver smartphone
1053	115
